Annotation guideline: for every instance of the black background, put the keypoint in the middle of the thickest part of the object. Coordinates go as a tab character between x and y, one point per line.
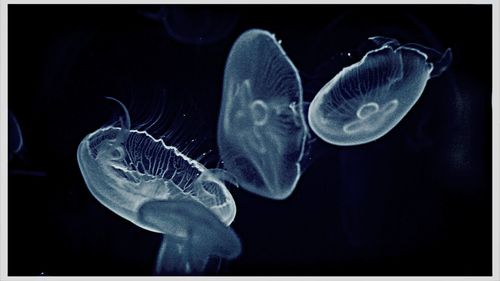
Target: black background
415	202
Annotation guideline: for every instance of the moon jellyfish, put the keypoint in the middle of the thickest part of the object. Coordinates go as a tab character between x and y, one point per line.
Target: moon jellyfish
125	168
198	25
15	136
192	235
367	99
262	129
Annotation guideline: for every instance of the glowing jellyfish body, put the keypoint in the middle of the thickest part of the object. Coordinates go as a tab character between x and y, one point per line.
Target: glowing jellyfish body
192	234
367	99
262	130
125	168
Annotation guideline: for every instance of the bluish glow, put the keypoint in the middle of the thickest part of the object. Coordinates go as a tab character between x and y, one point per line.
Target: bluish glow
367	99
125	168
192	234
197	25
262	130
15	136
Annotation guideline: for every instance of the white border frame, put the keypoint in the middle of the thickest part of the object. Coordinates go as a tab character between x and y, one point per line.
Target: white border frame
495	129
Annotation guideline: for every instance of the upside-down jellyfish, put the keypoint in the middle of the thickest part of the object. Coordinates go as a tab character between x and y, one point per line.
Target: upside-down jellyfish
125	168
262	129
192	235
367	99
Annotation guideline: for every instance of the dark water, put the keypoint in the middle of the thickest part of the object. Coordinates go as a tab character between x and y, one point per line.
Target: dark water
415	202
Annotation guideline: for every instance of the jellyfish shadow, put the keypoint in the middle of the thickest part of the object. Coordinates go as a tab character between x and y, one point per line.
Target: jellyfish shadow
195	25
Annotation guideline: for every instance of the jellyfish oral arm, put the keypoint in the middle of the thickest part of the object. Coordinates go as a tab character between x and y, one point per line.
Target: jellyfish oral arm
192	233
174	257
179	257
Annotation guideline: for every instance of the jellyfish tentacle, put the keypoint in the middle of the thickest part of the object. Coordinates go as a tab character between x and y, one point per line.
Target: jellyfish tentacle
125	124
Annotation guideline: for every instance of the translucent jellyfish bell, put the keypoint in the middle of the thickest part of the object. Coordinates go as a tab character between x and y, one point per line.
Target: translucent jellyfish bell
367	99
15	136
262	129
124	168
192	234
197	25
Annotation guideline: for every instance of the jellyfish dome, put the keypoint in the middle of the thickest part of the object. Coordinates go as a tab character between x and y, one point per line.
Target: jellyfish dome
125	168
367	99
262	129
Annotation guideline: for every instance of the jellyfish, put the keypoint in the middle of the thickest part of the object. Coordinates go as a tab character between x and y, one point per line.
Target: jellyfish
196	25
15	136
367	99
262	130
191	235
124	168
